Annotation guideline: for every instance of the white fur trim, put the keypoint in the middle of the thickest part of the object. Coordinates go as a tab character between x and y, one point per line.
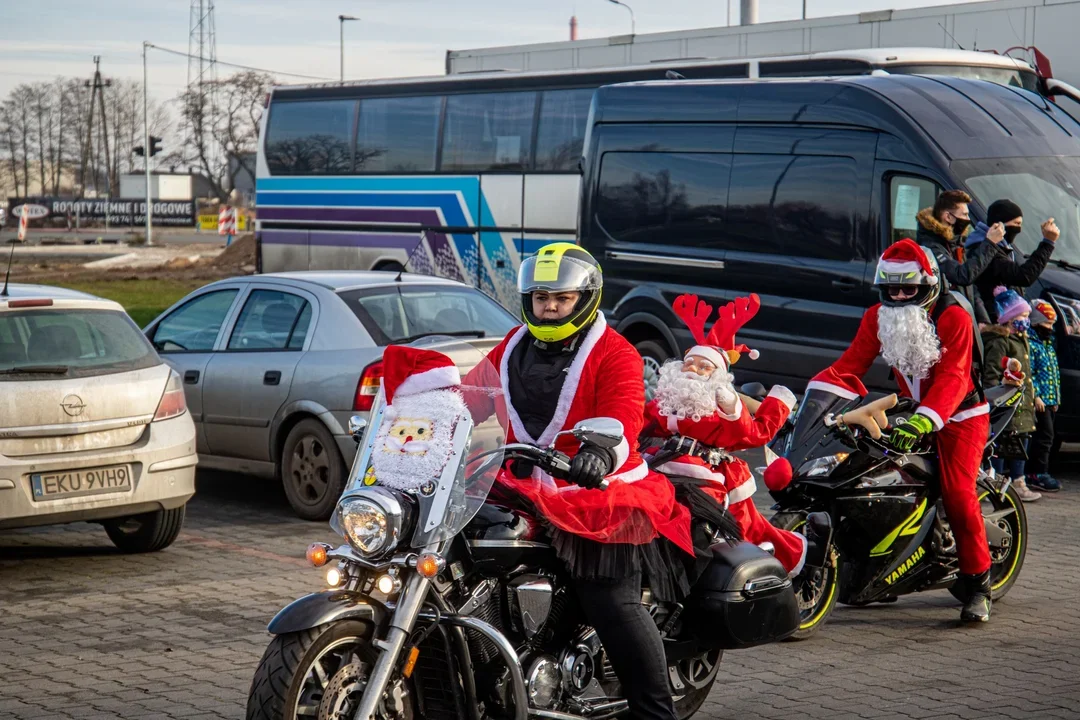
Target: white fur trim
434	379
719	359
744	491
569	388
830	388
893	267
692	470
976	411
934	417
802	558
638	472
784	395
735	414
754	354
673	424
622	453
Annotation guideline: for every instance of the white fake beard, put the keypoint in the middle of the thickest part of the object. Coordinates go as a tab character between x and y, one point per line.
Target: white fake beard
909	340
688	395
409	465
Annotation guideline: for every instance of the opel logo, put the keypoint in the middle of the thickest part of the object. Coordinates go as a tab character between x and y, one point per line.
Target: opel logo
73	405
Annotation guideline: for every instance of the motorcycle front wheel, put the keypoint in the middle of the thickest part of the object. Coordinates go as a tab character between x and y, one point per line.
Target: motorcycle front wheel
1008	561
316	673
691	681
817	594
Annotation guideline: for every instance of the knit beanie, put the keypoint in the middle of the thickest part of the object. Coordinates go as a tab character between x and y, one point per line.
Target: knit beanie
1002	211
1009	305
1042	312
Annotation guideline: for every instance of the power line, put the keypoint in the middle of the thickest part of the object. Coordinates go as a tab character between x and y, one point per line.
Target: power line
235	65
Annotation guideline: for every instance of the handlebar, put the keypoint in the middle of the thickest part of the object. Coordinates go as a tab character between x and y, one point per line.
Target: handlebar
550	460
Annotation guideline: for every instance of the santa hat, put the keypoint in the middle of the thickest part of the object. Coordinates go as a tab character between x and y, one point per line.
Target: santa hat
905	263
719	345
409	371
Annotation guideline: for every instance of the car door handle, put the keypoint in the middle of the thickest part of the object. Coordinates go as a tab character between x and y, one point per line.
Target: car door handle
844	285
272	377
191	377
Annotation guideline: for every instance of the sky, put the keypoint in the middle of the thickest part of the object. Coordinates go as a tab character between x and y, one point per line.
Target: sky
393	37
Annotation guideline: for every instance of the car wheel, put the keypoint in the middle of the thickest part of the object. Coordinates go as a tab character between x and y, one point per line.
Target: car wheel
654	354
312	470
148	532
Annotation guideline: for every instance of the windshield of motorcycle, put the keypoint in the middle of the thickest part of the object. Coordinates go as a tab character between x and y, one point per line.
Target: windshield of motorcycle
809	425
438	438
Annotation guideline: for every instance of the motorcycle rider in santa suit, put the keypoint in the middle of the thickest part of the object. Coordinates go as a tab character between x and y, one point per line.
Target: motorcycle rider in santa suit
562	366
926	335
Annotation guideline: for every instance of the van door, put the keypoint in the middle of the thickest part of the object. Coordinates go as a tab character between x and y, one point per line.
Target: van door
798	233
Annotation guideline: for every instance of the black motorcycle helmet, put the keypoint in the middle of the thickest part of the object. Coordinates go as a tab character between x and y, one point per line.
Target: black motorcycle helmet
908	274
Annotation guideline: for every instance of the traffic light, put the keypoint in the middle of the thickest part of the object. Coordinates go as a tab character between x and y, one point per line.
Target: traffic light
140	151
155	145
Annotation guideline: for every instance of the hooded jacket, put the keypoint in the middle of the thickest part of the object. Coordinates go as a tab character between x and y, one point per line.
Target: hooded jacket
937	237
998	343
1004	268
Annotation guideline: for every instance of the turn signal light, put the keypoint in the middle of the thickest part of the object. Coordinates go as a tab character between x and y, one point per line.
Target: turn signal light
429	565
316	554
368	387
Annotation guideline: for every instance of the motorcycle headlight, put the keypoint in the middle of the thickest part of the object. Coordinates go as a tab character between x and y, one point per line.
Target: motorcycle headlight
371	522
822	466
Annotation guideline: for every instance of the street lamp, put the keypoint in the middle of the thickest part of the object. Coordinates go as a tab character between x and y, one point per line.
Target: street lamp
341	25
633	29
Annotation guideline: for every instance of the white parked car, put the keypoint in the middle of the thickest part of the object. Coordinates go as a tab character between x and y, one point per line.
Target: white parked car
93	425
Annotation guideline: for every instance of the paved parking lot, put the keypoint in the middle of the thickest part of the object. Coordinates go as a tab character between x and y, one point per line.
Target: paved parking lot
88	633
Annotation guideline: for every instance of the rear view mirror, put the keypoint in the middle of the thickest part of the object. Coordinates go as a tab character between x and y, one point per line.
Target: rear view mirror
357	425
603	432
754	390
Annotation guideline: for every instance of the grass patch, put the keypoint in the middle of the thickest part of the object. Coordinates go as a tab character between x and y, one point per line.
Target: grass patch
143	299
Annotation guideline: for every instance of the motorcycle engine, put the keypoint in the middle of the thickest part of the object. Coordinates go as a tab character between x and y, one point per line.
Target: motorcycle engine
531	597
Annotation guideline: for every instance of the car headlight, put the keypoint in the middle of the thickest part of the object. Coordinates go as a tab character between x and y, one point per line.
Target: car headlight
371	521
822	466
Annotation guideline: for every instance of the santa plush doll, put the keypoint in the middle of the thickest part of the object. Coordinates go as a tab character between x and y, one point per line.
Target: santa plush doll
423	406
703	419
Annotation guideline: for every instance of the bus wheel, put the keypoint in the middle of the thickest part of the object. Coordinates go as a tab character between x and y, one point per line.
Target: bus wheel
654	354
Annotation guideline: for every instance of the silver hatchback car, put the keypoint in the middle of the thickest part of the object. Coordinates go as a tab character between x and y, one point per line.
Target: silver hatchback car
274	365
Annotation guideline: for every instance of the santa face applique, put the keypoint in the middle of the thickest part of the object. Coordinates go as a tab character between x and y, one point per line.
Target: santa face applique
410	436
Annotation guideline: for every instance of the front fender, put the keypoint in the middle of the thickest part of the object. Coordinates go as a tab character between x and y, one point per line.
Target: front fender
320	608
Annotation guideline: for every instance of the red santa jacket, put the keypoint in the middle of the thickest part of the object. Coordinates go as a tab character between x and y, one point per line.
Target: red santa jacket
738	431
604	380
939	394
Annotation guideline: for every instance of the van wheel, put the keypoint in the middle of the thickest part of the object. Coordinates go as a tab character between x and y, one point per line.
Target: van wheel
654	354
148	532
312	471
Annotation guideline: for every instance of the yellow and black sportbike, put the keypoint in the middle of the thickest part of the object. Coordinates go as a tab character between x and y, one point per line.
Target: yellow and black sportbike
890	534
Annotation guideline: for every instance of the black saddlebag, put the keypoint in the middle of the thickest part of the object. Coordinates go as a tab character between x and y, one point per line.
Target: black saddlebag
744	598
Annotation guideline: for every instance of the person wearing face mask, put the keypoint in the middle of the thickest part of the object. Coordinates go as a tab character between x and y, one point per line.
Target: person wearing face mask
1008	340
1047	378
1005	267
941	231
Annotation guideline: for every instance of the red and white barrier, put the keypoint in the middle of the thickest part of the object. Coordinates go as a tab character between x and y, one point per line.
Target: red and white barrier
24	221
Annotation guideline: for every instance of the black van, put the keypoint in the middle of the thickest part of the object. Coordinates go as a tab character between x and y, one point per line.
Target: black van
792	188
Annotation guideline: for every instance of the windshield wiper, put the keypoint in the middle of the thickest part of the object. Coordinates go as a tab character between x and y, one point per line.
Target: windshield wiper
1065	264
36	370
452	333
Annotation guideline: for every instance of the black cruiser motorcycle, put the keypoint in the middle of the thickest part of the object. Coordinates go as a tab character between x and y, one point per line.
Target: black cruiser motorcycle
442	604
891	536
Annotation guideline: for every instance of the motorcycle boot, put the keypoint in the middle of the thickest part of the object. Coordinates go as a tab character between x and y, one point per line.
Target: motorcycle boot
977	607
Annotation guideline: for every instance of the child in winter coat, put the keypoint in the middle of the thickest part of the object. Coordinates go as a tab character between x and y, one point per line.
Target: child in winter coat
1047	379
1008	339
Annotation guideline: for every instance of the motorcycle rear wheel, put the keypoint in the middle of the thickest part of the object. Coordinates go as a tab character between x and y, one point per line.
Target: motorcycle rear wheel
817	599
1006	565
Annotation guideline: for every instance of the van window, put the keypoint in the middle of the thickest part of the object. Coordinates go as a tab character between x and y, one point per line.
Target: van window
802	205
310	138
663	198
907	196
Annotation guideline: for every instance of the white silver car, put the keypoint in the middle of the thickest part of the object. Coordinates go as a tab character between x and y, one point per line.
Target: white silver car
93	425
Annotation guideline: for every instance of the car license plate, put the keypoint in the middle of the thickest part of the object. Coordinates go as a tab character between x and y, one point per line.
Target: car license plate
73	483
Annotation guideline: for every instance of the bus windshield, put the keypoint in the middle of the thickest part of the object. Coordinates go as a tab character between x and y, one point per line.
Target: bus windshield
1043	187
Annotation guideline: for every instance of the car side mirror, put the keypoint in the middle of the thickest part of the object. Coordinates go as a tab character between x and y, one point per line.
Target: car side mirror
603	432
357	425
754	390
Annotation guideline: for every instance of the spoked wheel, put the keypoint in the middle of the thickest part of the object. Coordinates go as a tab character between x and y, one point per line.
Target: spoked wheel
815	590
691	680
1008	538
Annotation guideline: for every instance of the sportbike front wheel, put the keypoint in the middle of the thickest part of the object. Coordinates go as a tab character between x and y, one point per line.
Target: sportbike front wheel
1007	556
815	591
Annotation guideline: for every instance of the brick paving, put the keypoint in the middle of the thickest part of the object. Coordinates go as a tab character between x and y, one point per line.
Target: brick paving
86	632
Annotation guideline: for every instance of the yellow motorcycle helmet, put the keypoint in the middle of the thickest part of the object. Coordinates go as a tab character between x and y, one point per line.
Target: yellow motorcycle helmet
560	267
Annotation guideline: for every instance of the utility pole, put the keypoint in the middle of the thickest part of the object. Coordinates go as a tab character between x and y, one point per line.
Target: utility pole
342	19
146	145
97	93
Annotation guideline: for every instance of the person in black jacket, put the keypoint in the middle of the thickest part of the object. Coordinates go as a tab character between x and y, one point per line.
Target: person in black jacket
1004	268
941	228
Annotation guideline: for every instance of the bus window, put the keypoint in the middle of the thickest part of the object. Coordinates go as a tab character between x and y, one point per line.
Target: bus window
398	134
489	131
561	132
310	138
907	196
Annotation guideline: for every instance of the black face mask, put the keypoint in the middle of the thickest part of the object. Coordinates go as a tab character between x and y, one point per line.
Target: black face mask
959	226
1011	233
1044	333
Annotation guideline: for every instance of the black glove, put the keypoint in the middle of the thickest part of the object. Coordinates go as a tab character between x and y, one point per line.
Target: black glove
521	468
589	466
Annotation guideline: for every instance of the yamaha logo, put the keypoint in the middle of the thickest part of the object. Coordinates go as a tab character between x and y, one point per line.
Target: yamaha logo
73	405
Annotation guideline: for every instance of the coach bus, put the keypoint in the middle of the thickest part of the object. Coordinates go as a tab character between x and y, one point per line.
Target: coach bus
463	175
